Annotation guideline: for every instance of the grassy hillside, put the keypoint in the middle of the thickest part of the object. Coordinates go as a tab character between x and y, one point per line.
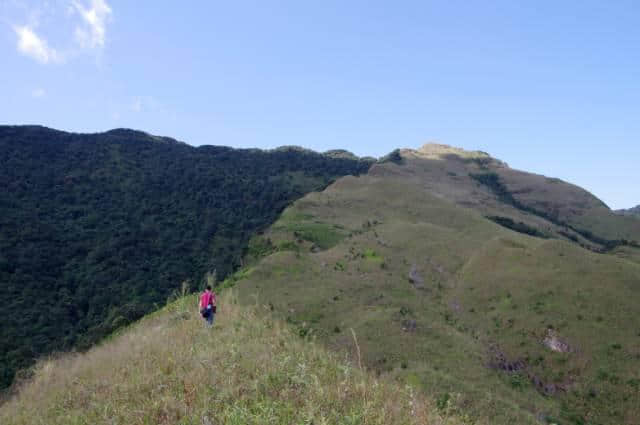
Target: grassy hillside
474	310
96	229
248	369
551	206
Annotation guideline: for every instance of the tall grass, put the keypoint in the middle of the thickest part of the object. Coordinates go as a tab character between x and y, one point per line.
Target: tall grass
249	369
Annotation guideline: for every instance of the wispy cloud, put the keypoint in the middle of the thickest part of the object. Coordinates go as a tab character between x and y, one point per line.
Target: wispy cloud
37	93
92	33
32	45
89	19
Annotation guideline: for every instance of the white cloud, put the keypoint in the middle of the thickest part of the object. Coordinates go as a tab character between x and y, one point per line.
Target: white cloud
93	31
32	45
39	92
86	20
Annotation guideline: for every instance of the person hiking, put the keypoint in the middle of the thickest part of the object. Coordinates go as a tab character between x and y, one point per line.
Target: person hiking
208	305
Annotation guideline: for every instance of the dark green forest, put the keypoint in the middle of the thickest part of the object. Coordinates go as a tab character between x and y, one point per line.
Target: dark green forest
97	230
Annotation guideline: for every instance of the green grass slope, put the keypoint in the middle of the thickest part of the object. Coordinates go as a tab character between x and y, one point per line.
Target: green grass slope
496	323
248	369
96	229
551	206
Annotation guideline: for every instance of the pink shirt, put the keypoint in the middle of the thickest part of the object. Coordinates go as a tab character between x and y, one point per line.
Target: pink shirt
206	298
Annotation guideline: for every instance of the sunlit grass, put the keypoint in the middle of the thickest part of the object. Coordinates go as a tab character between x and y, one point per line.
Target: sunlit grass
248	369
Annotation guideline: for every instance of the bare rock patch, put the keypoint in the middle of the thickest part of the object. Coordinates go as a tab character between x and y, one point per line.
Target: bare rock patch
553	342
415	279
409	325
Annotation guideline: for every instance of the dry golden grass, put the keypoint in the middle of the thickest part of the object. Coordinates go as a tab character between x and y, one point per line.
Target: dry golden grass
248	369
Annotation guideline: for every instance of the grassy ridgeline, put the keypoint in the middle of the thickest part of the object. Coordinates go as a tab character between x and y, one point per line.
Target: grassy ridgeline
250	369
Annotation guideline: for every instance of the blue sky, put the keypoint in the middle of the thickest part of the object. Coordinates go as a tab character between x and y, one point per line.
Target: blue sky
549	87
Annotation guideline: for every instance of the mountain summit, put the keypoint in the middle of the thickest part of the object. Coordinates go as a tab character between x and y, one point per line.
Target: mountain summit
441	151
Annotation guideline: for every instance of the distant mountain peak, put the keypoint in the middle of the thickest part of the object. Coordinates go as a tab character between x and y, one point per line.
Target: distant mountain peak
435	150
631	211
441	148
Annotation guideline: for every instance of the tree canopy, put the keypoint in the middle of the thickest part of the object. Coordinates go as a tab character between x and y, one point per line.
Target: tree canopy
98	229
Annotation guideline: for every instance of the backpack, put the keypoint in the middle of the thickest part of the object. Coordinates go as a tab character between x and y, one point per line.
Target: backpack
205	312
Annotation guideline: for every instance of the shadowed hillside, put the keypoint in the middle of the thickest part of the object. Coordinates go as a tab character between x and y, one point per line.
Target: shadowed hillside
248	369
509	295
96	229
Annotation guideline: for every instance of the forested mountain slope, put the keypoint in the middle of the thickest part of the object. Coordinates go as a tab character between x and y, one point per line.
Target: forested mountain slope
506	294
98	229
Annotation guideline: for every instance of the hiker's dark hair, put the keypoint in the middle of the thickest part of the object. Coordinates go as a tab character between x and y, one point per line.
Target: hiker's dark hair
208	287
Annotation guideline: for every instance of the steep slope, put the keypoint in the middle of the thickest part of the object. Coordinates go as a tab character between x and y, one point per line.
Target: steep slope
249	369
497	322
97	229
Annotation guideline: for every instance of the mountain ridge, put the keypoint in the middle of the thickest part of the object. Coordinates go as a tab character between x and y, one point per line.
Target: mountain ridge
496	291
504	290
166	368
630	211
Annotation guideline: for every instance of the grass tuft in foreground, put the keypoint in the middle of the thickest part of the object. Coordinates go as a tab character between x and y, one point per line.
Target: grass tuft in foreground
249	369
